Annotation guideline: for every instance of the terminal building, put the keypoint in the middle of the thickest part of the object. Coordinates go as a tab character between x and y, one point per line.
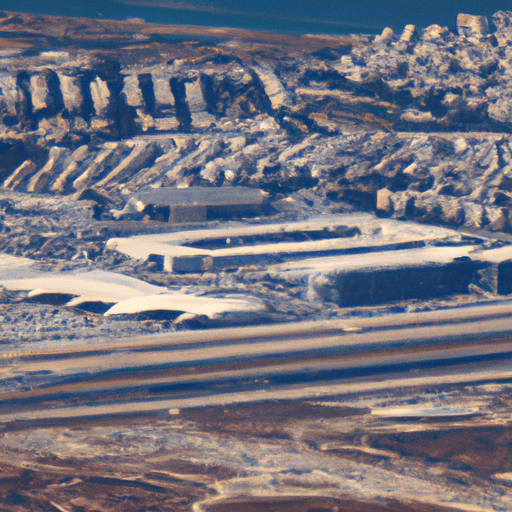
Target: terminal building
197	204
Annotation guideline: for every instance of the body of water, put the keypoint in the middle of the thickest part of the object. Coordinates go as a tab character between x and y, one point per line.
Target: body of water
296	16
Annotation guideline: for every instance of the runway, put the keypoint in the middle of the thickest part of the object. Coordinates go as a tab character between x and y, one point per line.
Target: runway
159	373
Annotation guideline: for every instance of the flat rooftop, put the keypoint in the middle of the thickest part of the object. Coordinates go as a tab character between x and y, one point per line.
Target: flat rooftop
200	196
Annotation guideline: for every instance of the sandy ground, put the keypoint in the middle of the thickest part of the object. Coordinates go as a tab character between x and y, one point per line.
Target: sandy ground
428	449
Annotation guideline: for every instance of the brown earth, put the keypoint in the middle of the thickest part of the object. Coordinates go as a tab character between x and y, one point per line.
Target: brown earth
306	504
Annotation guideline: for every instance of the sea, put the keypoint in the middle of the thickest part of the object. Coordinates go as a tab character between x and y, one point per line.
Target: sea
285	16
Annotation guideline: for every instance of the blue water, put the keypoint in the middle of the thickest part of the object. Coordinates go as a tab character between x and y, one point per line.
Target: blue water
296	16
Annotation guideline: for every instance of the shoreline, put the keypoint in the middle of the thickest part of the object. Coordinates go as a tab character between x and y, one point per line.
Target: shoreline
15	24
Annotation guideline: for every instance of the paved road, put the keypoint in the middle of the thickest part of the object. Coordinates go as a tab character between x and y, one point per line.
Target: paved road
193	369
